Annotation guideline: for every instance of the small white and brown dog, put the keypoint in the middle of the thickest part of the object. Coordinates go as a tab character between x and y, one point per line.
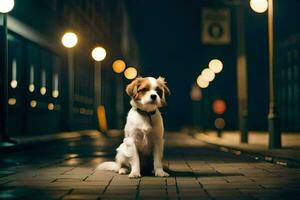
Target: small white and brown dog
143	130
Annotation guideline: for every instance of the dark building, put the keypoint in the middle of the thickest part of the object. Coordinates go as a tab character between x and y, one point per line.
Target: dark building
38	82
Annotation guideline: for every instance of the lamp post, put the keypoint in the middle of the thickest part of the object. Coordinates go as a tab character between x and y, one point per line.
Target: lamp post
118	67
273	117
5	7
98	54
69	40
241	66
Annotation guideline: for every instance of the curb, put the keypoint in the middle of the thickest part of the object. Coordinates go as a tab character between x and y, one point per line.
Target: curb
256	155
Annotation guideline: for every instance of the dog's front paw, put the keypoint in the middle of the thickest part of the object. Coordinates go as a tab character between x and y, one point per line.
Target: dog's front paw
161	173
134	175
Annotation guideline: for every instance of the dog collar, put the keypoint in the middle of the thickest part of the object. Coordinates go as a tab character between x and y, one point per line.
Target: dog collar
142	112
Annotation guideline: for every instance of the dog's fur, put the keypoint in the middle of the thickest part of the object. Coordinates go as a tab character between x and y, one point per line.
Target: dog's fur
143	130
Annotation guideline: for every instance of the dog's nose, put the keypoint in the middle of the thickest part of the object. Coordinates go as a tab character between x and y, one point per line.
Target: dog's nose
153	96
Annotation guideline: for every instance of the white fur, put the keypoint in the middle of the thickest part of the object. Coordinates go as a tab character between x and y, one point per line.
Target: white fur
142	137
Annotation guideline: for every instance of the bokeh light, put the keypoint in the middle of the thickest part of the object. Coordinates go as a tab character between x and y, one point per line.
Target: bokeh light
12	101
55	93
33	103
208	75
14	83
119	66
99	53
219	106
215	65
69	39
50	106
220	123
201	82
130	73
31	87
43	90
6	5
259	6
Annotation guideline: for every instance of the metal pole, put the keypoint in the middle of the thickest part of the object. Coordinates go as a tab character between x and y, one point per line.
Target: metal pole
242	75
4	110
97	88
274	126
71	88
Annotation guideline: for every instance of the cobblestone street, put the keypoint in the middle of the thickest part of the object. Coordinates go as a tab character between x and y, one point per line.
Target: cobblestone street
66	170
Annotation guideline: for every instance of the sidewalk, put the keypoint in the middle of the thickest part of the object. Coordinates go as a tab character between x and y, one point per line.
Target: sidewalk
289	154
38	140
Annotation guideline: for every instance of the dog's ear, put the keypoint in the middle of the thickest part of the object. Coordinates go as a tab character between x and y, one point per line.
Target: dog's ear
163	83
131	88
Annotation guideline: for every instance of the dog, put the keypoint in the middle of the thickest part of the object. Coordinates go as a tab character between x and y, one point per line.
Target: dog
144	129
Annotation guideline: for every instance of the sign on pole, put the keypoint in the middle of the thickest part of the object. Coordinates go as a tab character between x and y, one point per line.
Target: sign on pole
216	26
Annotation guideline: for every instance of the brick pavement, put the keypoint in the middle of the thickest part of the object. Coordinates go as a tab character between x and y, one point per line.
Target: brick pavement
66	170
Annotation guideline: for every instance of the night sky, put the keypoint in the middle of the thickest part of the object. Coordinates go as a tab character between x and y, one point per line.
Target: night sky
169	37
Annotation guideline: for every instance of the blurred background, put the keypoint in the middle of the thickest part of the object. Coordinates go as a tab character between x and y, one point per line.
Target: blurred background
213	54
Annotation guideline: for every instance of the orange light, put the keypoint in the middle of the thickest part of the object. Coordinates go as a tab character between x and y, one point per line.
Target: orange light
219	106
119	66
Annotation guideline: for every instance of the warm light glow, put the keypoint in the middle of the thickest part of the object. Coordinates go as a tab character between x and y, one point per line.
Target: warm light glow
14	83
119	66
50	106
201	82
259	6
130	73
6	5
55	93
31	87
98	53
43	90
215	65
12	101
219	106
219	123
69	40
208	75
33	103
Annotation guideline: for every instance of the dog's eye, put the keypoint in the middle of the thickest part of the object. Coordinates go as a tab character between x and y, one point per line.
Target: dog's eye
143	90
159	92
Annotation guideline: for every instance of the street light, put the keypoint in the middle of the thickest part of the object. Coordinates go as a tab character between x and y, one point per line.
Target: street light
70	40
130	73
273	117
98	54
259	6
5	7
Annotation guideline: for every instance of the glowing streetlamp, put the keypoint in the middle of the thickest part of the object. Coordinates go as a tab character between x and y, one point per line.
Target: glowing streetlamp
273	117
70	40
130	73
5	7
98	54
259	6
215	65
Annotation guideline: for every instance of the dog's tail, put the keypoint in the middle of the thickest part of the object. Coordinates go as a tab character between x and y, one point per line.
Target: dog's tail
111	166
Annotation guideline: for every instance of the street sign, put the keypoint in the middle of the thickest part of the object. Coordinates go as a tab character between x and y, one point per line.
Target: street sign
216	26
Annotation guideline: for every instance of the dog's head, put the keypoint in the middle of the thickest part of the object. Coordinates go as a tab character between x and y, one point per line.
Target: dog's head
148	93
